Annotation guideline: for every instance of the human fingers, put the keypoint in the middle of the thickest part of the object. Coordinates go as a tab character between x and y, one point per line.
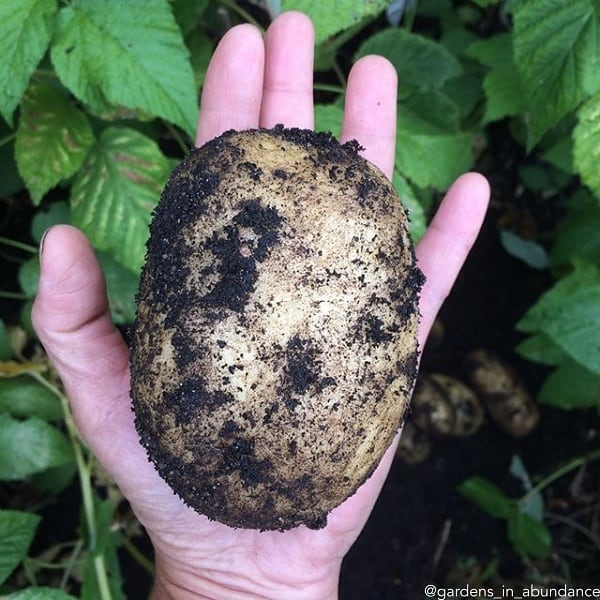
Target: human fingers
232	91
447	242
72	320
288	78
370	110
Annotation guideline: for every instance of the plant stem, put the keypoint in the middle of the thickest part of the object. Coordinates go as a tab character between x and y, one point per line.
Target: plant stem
327	87
85	482
185	148
138	556
14	295
242	13
16	244
566	468
9	138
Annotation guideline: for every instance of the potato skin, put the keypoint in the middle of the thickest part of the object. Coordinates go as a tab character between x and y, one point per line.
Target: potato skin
503	393
275	345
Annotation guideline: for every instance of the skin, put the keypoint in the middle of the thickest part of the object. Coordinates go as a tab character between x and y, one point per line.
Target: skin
251	82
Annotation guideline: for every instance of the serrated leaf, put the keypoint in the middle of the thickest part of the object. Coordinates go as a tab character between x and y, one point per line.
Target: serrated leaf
24	397
569	314
487	495
16	533
30	446
557	52
571	386
129	55
25	32
586	148
39	593
528	536
52	139
427	156
502	84
329	20
419	61
115	192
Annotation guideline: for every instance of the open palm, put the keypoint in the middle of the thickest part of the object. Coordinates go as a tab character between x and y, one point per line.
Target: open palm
251	82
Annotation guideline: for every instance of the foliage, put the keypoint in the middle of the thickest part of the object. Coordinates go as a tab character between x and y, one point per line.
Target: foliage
524	516
99	99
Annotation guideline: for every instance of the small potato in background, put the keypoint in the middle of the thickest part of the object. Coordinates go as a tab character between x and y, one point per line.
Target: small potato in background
430	409
502	392
414	446
467	410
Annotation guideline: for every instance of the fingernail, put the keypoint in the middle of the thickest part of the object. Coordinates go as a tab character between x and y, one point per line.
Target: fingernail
41	249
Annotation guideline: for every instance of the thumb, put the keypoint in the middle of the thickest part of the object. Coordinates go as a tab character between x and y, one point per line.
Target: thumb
71	317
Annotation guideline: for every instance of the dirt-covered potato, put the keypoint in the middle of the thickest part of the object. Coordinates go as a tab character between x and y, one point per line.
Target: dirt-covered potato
502	392
275	344
466	408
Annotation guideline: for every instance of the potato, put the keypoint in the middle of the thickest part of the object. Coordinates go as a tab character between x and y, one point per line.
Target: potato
414	446
430	409
275	344
466	408
502	392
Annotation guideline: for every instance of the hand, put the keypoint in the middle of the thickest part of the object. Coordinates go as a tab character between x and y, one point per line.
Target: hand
250	82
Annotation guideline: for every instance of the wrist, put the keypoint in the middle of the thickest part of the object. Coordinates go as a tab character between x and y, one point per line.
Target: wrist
172	584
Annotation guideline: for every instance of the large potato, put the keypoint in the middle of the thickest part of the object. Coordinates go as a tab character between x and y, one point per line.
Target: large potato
275	344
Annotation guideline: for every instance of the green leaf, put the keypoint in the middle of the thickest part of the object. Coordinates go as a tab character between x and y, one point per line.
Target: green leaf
52	139
529	251
487	495
188	13
502	84
330	21
24	397
578	238
428	156
6	351
419	61
54	480
329	117
557	52
122	287
433	107
10	180
57	213
201	49
115	192
528	536
541	349
571	386
29	276
416	212
129	55
16	533
569	314
586	148
39	593
25	32
30	446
